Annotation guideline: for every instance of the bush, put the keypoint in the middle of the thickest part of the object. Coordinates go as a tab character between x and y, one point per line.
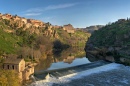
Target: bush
9	78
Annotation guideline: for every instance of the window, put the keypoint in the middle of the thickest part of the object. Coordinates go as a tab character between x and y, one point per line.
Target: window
13	67
7	66
3	66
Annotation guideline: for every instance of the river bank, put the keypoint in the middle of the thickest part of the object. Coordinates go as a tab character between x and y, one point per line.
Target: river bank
118	54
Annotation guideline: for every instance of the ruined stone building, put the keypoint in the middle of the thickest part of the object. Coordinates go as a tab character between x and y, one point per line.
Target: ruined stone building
19	66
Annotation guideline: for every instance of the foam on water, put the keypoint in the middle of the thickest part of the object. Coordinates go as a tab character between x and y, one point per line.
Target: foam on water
50	80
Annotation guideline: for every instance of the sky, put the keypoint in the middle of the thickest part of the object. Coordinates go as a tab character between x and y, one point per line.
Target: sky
79	13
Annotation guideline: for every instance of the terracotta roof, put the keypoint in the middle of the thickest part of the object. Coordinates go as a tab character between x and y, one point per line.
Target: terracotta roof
12	61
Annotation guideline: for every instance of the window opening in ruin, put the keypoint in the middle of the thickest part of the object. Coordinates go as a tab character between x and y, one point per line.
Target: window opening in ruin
13	66
8	66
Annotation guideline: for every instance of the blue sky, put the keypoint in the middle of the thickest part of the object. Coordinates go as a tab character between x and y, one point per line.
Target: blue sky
79	13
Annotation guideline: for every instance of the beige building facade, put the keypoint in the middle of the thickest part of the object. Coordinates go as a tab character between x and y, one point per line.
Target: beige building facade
19	65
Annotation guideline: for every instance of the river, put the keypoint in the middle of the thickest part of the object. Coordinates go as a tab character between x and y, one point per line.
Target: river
63	59
105	72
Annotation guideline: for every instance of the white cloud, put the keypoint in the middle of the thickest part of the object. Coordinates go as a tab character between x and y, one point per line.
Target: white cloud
53	7
40	10
35	10
33	14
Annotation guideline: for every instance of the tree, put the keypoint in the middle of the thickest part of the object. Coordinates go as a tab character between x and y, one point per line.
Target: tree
57	45
9	78
44	44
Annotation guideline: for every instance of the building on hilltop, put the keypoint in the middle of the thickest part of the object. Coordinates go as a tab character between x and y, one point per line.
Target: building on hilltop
24	20
35	23
16	18
6	16
69	28
28	22
19	66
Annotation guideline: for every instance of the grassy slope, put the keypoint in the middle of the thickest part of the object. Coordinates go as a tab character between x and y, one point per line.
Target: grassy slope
8	41
82	37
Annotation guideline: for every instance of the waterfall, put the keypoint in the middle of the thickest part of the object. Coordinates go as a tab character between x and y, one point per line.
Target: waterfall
33	78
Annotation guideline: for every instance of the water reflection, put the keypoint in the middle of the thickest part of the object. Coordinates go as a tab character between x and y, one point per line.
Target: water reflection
92	59
44	63
76	61
70	56
69	59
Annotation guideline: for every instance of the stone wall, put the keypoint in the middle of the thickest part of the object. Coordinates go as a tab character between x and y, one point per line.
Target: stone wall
22	66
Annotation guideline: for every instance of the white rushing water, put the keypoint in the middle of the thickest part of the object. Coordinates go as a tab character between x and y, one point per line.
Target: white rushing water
65	79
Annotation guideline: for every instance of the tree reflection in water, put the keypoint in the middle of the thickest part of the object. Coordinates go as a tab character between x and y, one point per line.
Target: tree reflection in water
66	56
44	63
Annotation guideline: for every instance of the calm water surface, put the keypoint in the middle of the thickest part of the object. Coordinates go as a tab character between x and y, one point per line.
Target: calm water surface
76	61
67	58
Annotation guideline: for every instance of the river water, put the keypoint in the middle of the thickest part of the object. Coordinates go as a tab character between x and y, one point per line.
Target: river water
63	59
100	73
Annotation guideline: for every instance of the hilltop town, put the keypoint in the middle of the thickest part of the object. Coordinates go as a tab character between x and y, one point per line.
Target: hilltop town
27	23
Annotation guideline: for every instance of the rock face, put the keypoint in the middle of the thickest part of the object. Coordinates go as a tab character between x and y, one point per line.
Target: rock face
111	42
104	53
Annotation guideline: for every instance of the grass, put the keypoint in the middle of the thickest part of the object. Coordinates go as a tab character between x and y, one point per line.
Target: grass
8	42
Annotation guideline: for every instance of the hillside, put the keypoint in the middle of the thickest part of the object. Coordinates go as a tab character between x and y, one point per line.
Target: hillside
117	33
111	40
23	37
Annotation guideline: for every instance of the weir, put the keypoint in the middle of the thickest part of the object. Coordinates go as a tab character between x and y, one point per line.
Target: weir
70	70
98	73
